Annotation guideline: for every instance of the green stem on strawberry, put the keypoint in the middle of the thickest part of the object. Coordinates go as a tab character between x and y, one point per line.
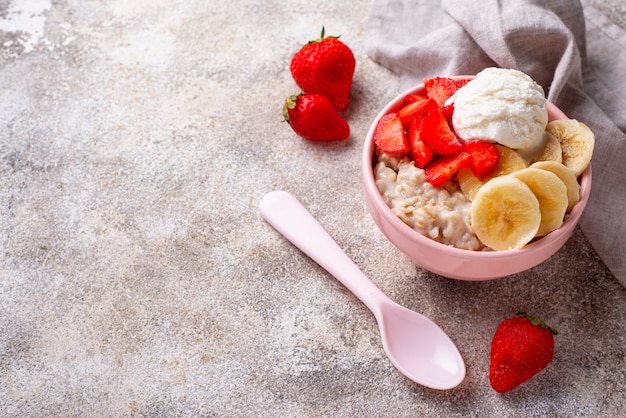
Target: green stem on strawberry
537	321
290	103
322	37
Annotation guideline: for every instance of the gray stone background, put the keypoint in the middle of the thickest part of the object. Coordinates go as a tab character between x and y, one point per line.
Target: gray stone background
137	277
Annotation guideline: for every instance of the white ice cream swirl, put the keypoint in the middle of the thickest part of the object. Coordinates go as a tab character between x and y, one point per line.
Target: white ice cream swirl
501	105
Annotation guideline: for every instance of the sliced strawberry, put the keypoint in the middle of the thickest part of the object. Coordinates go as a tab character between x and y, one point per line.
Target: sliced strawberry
420	153
414	97
440	88
436	133
389	135
407	110
443	167
484	157
461	83
447	112
419	108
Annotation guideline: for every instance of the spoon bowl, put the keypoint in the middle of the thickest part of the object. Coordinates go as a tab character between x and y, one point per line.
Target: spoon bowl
416	346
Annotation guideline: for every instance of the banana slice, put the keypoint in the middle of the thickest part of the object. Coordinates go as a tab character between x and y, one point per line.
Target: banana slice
567	176
468	182
577	143
508	162
551	193
551	151
505	213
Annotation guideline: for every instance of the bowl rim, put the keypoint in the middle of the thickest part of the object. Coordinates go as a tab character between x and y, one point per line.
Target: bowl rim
372	190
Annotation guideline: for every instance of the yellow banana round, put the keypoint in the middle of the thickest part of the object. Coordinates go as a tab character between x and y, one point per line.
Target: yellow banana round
577	143
551	151
551	193
566	175
505	213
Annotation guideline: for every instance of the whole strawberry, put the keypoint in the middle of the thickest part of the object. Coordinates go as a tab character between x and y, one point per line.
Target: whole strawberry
325	66
313	117
522	346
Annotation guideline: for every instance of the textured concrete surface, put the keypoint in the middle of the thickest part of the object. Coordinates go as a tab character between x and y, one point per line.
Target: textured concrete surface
138	279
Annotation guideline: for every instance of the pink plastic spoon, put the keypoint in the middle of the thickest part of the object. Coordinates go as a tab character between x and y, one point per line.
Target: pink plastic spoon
415	345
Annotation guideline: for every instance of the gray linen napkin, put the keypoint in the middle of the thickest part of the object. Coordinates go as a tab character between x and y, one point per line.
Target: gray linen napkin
574	52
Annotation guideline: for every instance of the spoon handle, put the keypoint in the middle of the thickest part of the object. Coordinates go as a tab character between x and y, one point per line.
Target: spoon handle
287	215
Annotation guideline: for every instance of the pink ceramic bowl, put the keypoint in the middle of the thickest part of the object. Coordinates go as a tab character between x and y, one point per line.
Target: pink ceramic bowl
453	262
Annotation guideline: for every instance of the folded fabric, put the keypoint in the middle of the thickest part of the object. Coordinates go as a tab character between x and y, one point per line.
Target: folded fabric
574	52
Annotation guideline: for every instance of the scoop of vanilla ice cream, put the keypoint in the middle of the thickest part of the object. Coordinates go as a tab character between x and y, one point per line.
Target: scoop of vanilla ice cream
501	105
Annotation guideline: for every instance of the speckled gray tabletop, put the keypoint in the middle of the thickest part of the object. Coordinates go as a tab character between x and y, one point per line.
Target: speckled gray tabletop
137	277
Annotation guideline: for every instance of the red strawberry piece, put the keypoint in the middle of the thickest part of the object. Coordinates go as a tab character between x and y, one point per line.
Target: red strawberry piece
461	83
438	135
485	156
414	97
407	110
443	167
440	88
420	153
389	135
325	66
420	108
522	346
447	112
313	117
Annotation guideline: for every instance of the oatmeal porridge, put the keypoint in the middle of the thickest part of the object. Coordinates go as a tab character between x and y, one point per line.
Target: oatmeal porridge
439	213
